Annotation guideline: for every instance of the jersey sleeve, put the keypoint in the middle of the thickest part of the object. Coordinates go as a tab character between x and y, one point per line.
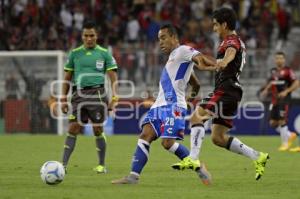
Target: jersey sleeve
188	53
110	62
291	75
69	66
232	42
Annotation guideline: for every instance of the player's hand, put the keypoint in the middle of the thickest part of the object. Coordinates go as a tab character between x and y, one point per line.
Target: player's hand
64	105
264	93
64	108
283	94
220	64
113	103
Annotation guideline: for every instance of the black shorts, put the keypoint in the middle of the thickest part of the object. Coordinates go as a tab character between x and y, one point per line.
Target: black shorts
89	104
279	111
223	104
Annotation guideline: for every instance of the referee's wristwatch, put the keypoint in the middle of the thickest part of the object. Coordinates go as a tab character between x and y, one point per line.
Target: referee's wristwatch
114	98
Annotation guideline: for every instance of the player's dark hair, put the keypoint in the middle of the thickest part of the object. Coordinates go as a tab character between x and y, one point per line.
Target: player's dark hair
89	24
225	15
280	53
171	29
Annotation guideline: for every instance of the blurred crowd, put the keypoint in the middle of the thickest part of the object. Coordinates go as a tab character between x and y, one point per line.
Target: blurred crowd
129	29
56	24
127	25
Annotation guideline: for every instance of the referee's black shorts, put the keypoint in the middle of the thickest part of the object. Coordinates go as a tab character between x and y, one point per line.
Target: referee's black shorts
89	104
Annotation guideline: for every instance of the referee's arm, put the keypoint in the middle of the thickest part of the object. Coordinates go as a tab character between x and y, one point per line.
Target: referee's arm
112	74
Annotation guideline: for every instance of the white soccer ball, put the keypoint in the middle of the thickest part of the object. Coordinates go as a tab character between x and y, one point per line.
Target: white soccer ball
52	172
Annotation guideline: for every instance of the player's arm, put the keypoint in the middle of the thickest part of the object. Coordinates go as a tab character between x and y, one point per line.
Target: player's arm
290	89
228	57
195	87
204	62
68	75
66	84
111	70
65	90
266	88
112	74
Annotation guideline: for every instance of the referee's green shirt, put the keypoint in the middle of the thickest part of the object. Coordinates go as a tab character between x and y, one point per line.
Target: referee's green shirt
89	65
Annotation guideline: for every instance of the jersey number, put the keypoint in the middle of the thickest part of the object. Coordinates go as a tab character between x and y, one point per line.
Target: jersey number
169	121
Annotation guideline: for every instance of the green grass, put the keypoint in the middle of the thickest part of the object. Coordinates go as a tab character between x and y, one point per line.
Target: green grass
233	175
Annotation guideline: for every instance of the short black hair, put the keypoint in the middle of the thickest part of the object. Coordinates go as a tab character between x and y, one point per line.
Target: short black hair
89	24
280	53
225	15
171	29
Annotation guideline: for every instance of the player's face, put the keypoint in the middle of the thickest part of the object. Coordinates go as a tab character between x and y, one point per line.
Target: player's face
280	60
167	42
89	37
218	28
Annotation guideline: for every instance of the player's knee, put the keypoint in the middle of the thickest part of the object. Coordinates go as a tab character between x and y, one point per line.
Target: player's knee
167	143
282	123
219	141
146	136
195	120
274	124
98	130
148	133
199	116
74	128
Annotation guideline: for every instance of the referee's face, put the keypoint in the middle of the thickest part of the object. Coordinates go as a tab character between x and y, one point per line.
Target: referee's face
89	37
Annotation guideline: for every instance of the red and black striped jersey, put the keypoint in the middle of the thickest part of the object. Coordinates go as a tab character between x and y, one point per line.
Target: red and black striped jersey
234	68
281	80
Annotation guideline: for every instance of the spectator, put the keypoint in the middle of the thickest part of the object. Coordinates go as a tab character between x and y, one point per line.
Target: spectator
132	30
12	87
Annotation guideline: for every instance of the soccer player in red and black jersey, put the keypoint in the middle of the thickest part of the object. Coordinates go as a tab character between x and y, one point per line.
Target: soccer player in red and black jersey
283	83
222	103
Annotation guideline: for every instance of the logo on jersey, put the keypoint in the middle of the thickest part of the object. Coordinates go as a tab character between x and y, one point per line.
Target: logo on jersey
114	61
99	64
177	114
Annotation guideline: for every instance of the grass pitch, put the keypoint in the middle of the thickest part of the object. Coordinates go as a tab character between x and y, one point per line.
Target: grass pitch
22	156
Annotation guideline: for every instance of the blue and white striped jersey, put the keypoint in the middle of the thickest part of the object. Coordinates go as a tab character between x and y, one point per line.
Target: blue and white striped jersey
175	76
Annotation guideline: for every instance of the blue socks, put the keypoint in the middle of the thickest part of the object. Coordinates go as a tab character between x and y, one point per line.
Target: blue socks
179	150
140	157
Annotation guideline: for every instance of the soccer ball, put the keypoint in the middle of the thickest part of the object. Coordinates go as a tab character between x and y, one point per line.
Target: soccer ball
52	172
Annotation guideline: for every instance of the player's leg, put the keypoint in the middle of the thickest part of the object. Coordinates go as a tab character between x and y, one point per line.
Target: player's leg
227	107
96	110
199	116
74	129
172	130
286	135
100	141
175	148
183	153
275	123
207	108
140	156
221	138
70	141
297	148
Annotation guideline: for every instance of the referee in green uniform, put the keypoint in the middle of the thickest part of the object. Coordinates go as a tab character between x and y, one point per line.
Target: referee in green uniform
86	68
